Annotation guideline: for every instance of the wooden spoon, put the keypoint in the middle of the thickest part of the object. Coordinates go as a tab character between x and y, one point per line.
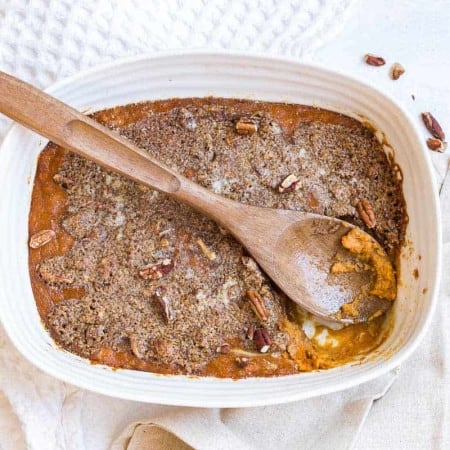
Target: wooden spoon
295	249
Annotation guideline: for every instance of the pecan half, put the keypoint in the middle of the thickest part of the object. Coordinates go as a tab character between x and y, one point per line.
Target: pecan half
157	271
41	238
366	213
257	304
246	126
436	145
397	70
374	60
262	340
433	125
289	184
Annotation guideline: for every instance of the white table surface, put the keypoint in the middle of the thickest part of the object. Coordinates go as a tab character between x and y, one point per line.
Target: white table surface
415	33
414	413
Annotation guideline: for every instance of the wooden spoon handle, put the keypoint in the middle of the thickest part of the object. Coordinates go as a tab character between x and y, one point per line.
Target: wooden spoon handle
72	130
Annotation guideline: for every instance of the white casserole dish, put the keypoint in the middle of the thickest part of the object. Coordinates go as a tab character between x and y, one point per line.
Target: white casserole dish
225	75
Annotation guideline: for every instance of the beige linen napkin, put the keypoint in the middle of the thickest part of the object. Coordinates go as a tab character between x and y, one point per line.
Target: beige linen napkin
334	419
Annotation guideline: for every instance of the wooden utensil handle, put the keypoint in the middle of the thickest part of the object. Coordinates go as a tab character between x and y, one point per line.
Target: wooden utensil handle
72	130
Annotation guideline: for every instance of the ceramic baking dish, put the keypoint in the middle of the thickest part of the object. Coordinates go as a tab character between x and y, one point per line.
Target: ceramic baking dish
225	75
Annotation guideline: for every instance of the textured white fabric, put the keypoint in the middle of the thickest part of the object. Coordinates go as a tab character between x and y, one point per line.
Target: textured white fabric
44	40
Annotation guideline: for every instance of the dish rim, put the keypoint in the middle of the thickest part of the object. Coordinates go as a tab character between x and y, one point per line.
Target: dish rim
388	364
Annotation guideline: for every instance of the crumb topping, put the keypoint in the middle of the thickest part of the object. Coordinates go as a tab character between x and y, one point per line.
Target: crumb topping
167	284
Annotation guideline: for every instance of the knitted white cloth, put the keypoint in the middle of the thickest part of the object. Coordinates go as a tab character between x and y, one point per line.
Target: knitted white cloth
44	40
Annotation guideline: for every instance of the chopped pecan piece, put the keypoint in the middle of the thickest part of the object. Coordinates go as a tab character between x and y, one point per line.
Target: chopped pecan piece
313	203
137	346
53	272
224	349
375	315
63	181
433	126
253	275
262	340
164	301
242	362
246	126
250	332
397	70
187	119
250	264
165	232
41	238
289	184
374	60
157	271
164	243
436	145
206	251
190	172
257	304
366	213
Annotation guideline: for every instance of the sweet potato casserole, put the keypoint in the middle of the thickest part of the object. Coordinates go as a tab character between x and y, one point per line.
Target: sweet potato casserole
127	277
